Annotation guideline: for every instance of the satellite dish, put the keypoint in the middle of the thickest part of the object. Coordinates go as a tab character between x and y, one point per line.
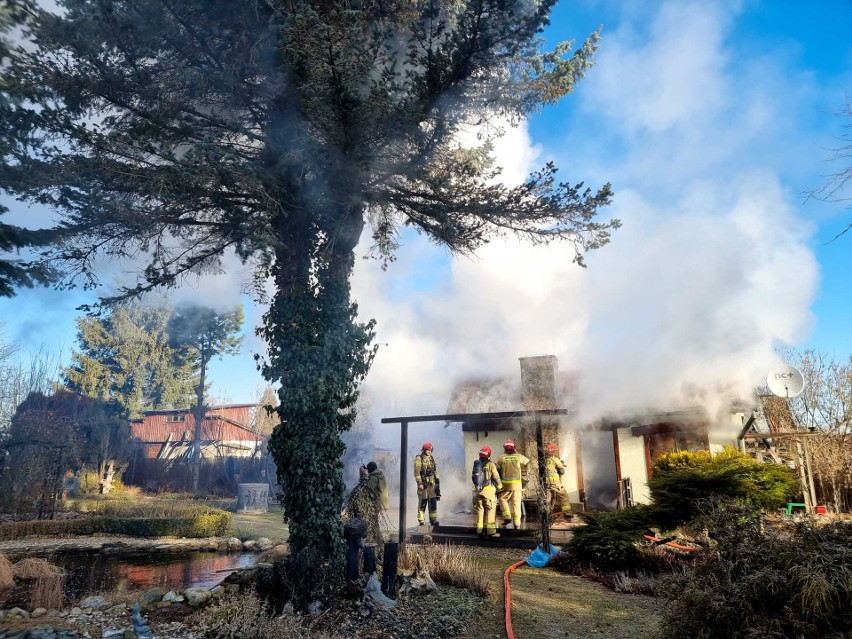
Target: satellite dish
786	381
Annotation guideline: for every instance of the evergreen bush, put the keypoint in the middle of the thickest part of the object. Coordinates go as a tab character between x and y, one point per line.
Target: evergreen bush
608	541
681	481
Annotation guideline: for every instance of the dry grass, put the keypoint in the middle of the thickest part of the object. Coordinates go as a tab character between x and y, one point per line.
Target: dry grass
7	573
48	591
448	564
244	616
33	568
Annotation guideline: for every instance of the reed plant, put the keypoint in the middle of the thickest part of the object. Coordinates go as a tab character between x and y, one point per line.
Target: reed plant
7	573
48	582
447	564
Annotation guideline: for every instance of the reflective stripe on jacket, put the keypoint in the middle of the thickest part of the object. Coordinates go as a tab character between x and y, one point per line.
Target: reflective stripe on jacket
425	470
551	471
513	469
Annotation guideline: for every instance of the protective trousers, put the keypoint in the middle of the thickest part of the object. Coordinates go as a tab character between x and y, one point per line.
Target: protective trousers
486	509
556	494
430	502
512	497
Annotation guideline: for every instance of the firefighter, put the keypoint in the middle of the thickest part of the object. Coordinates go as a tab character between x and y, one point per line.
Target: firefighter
486	483
514	471
428	485
377	485
554	468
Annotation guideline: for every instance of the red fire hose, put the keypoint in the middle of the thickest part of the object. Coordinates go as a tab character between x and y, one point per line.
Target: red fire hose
507	600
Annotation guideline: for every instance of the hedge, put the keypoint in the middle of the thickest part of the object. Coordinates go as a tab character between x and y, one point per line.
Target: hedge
212	523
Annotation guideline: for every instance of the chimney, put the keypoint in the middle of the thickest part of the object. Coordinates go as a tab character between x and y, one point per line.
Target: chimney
538	381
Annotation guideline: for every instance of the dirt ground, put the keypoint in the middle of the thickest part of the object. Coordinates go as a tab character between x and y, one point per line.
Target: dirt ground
547	604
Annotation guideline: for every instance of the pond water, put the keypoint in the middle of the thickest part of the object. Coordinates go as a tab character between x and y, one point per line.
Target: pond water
93	573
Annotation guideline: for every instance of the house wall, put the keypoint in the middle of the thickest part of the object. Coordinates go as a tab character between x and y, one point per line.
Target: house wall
631	451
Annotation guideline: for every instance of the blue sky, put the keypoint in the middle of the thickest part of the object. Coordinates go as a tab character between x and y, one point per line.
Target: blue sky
711	120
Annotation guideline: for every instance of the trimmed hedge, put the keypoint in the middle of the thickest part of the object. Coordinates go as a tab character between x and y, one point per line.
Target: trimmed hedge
210	523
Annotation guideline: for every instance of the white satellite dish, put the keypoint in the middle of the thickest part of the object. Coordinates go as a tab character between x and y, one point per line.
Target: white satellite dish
786	381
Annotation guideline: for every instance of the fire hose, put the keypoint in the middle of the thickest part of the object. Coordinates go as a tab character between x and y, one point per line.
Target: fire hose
671	544
507	599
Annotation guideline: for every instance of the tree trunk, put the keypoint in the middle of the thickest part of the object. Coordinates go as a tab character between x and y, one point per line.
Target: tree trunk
318	353
198	413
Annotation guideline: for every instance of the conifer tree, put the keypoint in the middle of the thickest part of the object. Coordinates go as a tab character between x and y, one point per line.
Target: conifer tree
177	131
125	359
200	333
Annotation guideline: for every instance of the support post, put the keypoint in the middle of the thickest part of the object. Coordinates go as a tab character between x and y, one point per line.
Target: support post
543	502
403	478
389	565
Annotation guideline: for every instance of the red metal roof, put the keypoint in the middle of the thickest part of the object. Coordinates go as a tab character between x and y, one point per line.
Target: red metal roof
222	423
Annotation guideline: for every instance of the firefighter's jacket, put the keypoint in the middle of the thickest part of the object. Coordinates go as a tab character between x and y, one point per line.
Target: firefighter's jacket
378	487
491	477
425	470
553	471
513	469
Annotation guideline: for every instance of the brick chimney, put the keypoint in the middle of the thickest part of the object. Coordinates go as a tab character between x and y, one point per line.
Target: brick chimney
538	381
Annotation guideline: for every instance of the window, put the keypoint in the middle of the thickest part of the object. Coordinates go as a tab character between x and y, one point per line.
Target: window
175	417
660	443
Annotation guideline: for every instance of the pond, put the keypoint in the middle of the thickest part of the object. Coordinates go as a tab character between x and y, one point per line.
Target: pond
94	573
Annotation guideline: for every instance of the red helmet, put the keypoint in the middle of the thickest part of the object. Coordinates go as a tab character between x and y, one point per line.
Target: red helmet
428	446
485	452
509	445
550	449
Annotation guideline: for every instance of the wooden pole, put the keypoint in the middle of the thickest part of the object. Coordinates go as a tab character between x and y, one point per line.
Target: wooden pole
544	510
403	478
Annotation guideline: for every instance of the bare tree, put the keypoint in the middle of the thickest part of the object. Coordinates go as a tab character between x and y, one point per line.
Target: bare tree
835	188
825	407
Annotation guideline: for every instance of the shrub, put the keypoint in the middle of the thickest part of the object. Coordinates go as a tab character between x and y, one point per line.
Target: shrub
681	480
205	522
244	616
609	539
787	580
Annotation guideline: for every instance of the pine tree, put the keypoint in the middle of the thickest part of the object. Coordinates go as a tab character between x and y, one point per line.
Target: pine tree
179	131
125	359
200	333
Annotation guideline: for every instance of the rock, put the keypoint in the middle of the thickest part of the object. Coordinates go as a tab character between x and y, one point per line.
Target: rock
95	602
288	608
315	608
234	545
76	611
163	604
275	553
151	596
232	588
264	543
44	632
118	608
19	612
222	546
38	612
129	634
218	591
173	597
197	597
112	632
162	548
249	545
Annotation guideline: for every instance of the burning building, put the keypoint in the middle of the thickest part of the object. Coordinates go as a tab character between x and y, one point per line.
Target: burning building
608	462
